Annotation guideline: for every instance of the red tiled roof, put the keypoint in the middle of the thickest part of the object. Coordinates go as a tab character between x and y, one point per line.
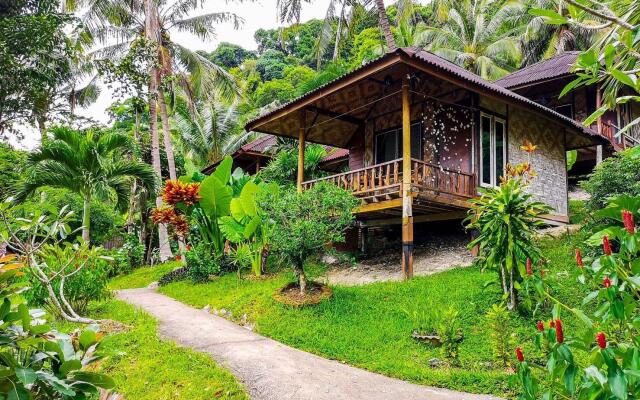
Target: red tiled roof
335	155
553	67
260	145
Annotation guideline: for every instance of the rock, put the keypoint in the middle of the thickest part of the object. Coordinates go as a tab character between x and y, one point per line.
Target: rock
436	363
206	308
329	259
153	285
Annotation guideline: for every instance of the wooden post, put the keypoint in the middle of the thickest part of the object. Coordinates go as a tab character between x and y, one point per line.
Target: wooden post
407	200
301	138
598	124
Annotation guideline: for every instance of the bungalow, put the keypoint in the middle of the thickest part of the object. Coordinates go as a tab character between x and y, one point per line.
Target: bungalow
423	134
542	82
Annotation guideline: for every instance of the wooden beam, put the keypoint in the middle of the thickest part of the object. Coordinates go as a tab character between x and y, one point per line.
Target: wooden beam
382	205
418	218
342	82
407	199
335	115
301	137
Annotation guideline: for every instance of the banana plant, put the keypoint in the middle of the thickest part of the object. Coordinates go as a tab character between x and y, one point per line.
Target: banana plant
248	225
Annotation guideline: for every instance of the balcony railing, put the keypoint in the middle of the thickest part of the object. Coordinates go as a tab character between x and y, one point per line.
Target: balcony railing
386	178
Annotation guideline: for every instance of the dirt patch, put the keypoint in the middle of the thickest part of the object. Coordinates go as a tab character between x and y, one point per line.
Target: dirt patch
290	294
110	327
436	253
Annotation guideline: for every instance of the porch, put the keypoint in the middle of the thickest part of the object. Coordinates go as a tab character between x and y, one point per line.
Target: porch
434	189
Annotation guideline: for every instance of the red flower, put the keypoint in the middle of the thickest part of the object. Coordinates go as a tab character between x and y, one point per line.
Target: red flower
540	326
606	245
602	340
175	192
606	282
559	332
552	324
178	257
519	354
188	247
627	217
579	258
529	269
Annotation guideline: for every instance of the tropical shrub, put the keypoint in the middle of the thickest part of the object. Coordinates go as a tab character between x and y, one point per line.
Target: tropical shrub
616	175
81	286
284	166
505	219
51	261
128	257
203	263
37	362
303	223
609	315
502	340
249	227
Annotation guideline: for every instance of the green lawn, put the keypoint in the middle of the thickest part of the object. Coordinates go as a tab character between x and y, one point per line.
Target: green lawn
147	368
141	277
368	326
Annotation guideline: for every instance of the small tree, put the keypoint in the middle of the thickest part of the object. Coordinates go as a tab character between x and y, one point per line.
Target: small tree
32	239
506	218
303	223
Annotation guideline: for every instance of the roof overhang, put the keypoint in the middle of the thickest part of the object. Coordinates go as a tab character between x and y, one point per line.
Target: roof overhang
402	59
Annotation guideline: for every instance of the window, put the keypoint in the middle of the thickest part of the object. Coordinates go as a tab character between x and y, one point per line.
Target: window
565	109
388	145
492	149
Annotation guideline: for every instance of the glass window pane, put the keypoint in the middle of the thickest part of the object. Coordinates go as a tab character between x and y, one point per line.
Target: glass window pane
416	135
386	147
499	151
485	146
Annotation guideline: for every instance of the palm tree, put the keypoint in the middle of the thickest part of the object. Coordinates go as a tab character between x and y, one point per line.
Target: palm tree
127	21
470	37
90	163
289	10
541	40
209	131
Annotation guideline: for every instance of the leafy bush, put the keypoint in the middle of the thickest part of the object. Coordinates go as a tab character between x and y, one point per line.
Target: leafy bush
303	223
619	174
36	362
128	257
502	339
505	219
602	359
202	263
87	284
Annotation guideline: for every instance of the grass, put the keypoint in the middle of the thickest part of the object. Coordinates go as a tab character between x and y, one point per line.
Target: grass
370	326
147	368
142	277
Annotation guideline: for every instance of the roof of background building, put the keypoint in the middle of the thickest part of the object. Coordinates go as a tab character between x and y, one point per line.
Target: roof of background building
551	68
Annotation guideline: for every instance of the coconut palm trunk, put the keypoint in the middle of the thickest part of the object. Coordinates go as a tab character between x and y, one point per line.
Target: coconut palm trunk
168	146
152	33
383	21
86	217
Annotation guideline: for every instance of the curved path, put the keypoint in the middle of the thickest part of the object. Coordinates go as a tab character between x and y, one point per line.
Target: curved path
269	369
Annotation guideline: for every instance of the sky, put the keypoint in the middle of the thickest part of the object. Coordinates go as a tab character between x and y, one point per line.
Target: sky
256	14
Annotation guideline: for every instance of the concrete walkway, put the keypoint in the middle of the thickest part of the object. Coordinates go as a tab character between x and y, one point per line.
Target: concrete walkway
269	369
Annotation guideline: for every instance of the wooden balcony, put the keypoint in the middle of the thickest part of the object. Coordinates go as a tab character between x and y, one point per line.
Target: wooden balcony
433	187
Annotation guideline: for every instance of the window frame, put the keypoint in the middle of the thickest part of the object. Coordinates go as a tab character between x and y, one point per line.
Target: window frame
398	133
494	180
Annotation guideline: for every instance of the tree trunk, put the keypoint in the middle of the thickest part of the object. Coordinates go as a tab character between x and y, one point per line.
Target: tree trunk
168	146
383	21
134	184
42	127
86	217
152	33
336	47
513	303
302	278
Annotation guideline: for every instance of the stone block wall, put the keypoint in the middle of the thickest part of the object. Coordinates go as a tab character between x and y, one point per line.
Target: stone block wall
550	186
